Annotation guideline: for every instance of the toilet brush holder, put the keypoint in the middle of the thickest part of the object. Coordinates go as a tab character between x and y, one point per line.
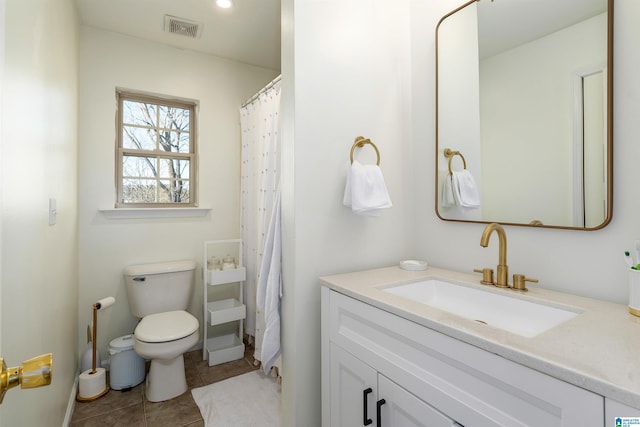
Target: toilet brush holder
92	383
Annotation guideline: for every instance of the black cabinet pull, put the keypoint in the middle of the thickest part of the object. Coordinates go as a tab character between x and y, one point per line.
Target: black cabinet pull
379	404
365	419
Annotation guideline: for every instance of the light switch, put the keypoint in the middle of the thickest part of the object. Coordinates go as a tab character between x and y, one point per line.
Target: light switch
53	213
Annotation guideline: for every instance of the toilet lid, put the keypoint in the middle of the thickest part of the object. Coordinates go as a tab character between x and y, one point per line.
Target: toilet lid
168	326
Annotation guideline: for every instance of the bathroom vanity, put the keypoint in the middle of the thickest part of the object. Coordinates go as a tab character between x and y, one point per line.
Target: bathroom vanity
390	360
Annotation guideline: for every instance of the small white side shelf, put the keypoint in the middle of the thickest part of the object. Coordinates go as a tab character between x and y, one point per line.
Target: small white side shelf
223	348
220	277
226	310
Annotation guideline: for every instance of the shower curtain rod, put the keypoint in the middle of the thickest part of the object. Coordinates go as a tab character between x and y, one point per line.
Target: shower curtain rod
269	85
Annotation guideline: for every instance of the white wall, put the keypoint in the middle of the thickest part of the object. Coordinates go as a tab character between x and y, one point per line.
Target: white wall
579	262
348	63
109	60
39	145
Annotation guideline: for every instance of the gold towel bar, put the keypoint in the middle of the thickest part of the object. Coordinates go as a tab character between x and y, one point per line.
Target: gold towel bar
449	153
360	142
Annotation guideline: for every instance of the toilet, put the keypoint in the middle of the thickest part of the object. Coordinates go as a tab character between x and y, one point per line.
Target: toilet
159	294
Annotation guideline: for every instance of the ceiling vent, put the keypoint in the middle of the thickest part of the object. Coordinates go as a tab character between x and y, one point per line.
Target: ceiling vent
183	27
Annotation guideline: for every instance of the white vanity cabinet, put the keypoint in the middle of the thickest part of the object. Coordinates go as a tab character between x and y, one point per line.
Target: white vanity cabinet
361	396
427	378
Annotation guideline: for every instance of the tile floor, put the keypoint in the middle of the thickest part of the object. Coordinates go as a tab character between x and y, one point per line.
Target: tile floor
131	409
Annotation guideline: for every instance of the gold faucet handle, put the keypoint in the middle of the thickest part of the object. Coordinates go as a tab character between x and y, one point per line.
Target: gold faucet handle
487	276
33	373
519	282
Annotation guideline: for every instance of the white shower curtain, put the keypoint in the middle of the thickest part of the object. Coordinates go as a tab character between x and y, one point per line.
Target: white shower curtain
260	175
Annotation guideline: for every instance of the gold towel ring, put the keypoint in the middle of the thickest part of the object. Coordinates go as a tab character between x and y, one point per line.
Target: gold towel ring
360	142
449	153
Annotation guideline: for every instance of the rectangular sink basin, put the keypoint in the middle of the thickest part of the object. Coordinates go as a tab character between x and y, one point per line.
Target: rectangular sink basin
516	315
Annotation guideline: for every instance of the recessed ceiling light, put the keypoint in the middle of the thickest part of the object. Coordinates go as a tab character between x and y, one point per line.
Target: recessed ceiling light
225	4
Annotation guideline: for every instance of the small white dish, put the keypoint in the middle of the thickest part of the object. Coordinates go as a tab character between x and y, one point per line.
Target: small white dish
413	265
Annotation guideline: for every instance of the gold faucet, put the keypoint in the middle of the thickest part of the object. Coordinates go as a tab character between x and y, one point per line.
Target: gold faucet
503	270
519	280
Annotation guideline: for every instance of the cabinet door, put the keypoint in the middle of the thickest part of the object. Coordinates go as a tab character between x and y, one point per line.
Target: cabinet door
403	409
353	390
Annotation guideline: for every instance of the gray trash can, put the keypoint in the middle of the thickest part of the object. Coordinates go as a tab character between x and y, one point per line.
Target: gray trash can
126	368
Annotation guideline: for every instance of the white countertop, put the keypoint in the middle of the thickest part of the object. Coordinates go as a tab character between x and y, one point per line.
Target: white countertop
598	350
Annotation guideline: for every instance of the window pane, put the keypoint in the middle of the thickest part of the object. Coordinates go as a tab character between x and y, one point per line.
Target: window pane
139	113
181	140
185	192
174	191
183	168
138	138
181	191
176	142
174	168
138	191
174	118
138	167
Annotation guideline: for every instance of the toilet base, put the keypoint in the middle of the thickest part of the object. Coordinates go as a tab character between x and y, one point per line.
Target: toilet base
166	379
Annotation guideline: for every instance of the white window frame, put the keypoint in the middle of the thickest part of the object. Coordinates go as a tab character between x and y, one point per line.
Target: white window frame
128	95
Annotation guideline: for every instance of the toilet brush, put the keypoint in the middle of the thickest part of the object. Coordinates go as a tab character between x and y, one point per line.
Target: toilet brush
92	383
87	357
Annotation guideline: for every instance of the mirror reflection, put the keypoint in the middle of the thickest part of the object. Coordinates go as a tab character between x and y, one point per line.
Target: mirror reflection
524	105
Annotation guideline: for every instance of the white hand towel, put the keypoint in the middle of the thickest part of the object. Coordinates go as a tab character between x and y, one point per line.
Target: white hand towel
347	199
465	190
365	191
448	198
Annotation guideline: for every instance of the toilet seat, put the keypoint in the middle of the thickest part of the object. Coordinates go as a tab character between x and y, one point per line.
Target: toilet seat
164	327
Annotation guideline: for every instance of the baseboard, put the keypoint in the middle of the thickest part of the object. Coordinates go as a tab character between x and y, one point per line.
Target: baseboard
71	405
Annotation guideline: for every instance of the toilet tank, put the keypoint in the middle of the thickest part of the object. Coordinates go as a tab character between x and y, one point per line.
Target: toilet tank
159	287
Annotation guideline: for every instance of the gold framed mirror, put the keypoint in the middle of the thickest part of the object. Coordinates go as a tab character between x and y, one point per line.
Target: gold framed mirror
524	97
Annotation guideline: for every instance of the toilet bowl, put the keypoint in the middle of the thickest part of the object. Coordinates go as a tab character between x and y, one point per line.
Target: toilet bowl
159	295
164	338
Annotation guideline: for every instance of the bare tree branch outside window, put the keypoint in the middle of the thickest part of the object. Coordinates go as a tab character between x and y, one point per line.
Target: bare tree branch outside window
156	151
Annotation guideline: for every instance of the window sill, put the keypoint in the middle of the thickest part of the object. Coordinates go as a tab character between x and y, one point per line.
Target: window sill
138	213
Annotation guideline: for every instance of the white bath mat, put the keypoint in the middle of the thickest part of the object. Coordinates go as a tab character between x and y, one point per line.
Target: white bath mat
248	400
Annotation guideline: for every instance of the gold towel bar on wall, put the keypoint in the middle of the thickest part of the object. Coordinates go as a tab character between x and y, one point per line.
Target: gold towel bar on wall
360	142
449	153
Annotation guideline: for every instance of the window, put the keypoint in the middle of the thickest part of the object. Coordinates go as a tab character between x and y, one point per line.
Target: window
156	156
